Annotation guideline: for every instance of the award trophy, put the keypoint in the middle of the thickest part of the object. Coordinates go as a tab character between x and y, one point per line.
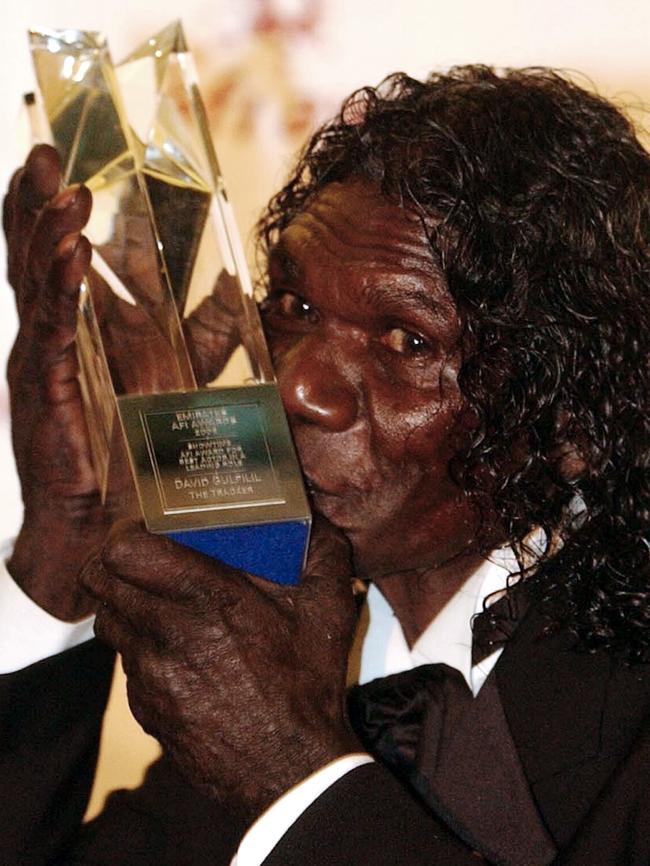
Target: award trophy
174	369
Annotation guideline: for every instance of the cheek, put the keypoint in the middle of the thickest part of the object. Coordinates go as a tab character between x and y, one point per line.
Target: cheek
422	429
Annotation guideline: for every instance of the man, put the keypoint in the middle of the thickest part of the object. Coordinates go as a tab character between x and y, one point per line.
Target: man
457	313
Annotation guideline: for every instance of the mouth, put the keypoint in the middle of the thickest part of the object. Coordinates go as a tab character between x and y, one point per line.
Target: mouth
314	488
327	489
335	503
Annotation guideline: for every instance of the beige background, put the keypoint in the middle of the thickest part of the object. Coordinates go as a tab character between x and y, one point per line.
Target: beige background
270	70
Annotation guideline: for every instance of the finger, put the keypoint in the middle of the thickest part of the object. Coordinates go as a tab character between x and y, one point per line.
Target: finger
45	367
48	328
99	578
66	214
32	265
44	167
61	305
329	549
329	570
38	182
111	629
142	614
142	665
109	588
57	320
57	305
167	625
30	188
110	626
161	566
9	201
326	591
114	597
75	263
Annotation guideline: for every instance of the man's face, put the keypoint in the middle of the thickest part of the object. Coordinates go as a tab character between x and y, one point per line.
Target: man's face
365	338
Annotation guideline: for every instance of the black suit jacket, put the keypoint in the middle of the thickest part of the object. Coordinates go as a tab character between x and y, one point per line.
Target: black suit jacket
581	724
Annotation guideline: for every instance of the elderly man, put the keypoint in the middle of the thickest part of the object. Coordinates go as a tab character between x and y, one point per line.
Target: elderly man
457	311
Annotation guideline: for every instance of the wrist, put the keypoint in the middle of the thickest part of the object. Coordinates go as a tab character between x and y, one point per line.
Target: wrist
301	759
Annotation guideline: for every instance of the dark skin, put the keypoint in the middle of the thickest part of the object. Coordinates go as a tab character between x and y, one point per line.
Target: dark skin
63	514
243	681
365	339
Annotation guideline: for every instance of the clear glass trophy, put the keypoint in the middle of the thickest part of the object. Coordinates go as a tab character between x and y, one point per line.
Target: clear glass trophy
175	372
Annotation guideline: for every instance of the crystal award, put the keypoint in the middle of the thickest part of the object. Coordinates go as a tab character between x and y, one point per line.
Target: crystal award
174	368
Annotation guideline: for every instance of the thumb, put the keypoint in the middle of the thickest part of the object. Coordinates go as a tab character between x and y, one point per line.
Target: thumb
326	593
329	551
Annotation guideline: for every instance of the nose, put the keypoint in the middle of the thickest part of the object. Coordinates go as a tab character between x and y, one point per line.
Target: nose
314	389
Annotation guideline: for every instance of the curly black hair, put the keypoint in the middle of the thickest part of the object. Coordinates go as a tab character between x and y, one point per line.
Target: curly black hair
540	196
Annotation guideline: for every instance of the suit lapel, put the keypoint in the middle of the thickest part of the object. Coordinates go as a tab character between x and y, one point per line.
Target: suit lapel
572	715
553	698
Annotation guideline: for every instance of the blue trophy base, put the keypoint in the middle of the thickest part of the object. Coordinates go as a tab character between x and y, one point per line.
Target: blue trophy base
275	551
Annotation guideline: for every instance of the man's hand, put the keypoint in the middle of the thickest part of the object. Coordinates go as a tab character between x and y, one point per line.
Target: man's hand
47	259
242	680
64	520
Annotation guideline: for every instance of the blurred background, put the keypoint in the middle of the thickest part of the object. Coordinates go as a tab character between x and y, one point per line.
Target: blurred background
270	71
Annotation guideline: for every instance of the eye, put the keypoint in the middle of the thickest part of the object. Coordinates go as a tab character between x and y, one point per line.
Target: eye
288	305
406	342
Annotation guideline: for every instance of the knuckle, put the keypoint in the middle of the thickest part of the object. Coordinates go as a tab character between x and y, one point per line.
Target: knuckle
84	250
105	628
14	365
117	552
88	574
189	587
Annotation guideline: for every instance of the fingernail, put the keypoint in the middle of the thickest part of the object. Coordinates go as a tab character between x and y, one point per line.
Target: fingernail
66	198
67	246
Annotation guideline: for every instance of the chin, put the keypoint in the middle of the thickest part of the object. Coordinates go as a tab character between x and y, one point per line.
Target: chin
373	558
369	565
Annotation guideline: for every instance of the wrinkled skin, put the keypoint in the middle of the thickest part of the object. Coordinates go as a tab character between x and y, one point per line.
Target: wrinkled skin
366	343
242	681
63	513
365	340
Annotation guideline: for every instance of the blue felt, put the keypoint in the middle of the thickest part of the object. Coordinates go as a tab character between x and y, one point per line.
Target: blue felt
271	550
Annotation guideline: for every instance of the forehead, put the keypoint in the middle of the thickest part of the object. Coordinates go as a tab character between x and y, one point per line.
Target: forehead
354	245
354	222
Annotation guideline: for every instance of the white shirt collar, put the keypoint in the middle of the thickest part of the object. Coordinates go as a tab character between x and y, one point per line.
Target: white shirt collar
448	637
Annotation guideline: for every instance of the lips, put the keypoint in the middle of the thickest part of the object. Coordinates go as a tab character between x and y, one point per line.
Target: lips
334	502
312	488
335	479
319	488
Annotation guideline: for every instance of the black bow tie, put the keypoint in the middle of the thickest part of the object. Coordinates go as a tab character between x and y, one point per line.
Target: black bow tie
455	751
389	713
